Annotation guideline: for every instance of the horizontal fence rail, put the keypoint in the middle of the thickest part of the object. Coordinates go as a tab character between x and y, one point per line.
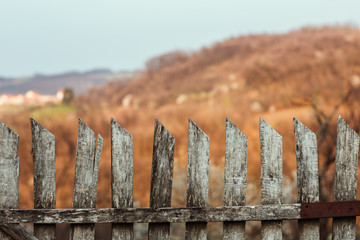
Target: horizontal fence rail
235	213
294	211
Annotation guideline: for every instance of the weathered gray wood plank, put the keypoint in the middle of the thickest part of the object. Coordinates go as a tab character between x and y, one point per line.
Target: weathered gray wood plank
307	177
17	232
346	172
43	150
235	177
271	176
197	178
96	167
121	177
161	178
9	170
148	215
86	169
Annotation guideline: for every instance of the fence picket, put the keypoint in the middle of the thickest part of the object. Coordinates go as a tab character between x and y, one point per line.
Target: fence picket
196	214
9	170
271	176
43	150
16	232
197	178
161	178
85	188
122	177
346	171
235	177
307	177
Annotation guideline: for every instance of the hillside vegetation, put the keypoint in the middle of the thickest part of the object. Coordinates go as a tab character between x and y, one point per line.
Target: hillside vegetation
277	77
302	74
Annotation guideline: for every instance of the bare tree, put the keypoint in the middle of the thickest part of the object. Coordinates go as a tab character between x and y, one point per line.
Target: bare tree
326	133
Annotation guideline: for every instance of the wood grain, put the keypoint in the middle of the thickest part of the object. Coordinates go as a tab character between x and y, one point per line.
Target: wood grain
121	177
84	214
86	170
152	215
271	176
346	171
161	178
9	170
197	178
17	232
43	151
307	177
234	177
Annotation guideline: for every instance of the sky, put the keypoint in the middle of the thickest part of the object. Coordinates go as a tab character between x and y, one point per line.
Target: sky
54	36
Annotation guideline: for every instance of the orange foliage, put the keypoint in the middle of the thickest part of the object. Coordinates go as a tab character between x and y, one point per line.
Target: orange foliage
273	76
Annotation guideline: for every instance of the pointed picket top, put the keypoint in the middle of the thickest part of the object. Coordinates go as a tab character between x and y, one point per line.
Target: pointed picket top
121	166
121	177
196	129
83	127
307	163
271	176
161	178
43	151
344	127
98	142
299	128
271	164
9	145
86	166
235	165
307	176
235	177
38	128
346	162
9	171
346	172
303	133
86	176
117	126
343	123
162	167
161	133
197	178
198	167
196	135
160	127
7	133
267	129
231	126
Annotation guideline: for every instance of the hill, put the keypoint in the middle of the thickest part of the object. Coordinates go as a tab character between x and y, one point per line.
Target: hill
80	82
302	74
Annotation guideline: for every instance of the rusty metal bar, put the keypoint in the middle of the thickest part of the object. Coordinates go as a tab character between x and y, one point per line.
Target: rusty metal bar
330	209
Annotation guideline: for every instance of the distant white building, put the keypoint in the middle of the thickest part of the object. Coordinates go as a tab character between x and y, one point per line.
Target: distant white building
31	97
60	94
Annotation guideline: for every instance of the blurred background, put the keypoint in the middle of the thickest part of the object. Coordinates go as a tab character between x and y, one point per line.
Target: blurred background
207	60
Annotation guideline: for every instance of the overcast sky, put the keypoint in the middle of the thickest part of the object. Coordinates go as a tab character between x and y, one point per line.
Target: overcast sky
53	36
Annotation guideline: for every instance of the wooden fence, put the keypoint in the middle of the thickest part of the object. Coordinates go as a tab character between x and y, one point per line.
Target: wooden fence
197	213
